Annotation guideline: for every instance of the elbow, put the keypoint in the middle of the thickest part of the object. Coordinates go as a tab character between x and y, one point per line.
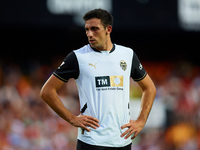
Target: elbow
43	93
153	91
46	93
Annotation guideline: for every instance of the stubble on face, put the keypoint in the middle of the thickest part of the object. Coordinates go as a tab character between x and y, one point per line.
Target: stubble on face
96	33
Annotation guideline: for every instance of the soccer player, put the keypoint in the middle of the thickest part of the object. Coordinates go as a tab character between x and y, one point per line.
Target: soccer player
102	71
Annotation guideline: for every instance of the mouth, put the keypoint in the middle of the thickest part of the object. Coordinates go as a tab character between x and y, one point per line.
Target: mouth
91	41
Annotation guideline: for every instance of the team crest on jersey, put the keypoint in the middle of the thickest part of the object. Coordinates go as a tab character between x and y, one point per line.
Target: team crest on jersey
123	65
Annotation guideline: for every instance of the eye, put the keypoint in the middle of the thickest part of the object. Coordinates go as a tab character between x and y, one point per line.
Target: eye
94	28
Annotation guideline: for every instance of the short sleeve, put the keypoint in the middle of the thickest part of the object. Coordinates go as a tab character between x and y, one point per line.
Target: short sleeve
137	71
68	69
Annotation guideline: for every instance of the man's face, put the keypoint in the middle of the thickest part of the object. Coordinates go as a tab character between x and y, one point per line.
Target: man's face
96	33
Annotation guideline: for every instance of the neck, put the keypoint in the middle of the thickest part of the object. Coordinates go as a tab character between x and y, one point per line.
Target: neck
107	46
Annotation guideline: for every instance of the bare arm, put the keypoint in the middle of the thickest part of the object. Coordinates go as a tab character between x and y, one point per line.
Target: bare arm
148	95
49	95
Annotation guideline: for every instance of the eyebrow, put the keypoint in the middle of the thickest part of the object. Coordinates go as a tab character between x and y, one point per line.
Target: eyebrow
91	27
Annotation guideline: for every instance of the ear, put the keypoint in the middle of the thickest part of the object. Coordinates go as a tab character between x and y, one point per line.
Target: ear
108	29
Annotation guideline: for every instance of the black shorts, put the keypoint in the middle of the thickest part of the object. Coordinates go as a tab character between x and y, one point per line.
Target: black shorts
84	146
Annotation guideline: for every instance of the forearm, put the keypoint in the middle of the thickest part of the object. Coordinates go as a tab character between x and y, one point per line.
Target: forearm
52	99
49	95
146	104
135	126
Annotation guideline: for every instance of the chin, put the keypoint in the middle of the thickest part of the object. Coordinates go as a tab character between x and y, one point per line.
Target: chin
92	45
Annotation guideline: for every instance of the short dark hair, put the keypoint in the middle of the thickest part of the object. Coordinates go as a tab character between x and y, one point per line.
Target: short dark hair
105	16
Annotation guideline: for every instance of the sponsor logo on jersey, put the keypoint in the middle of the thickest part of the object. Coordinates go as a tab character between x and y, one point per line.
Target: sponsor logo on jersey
123	65
109	81
93	65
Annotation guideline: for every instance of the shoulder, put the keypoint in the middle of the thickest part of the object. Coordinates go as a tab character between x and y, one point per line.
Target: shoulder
124	49
83	50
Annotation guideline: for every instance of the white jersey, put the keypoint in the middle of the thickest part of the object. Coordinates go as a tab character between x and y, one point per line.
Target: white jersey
103	81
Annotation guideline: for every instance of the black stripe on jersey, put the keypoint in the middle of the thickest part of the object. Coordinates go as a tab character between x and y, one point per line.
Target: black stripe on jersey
68	69
137	71
84	108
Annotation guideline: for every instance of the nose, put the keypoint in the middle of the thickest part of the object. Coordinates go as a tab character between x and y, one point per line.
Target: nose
89	33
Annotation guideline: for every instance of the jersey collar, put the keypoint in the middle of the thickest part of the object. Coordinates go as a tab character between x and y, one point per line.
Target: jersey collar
96	50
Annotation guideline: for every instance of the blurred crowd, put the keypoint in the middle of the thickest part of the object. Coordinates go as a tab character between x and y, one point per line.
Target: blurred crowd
178	88
27	123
